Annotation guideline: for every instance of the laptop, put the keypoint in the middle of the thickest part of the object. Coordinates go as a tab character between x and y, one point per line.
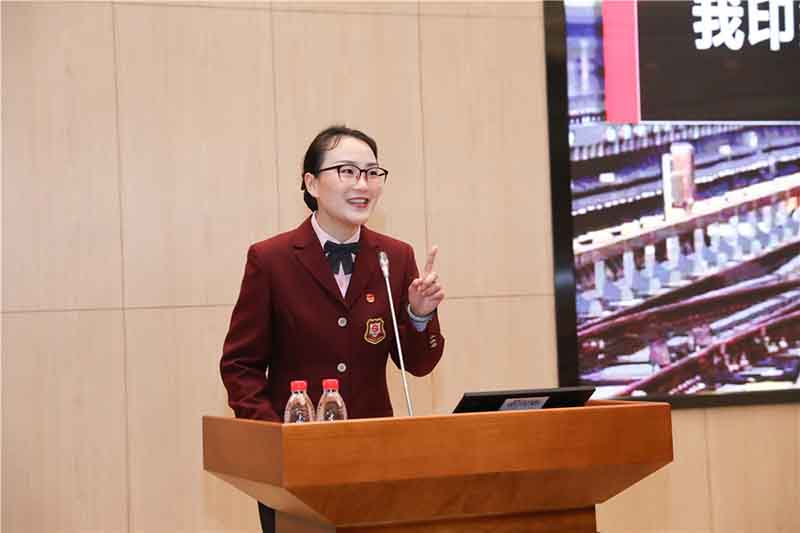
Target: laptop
519	400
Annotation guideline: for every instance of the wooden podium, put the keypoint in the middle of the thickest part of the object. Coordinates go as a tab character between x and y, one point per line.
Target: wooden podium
521	471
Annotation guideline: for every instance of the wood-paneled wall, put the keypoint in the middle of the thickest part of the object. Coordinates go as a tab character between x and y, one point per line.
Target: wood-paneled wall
146	145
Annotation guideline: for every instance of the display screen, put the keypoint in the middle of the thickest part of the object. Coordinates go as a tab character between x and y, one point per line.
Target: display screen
712	67
683	237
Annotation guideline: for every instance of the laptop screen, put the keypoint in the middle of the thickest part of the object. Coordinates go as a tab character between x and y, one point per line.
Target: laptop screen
516	400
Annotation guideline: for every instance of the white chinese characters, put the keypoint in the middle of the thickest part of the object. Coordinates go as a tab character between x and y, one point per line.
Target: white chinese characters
765	24
720	22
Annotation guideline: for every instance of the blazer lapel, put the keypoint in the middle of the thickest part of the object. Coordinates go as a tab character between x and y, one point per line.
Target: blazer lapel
309	252
366	266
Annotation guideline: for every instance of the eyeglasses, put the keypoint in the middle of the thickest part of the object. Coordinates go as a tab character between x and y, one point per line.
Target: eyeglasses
350	174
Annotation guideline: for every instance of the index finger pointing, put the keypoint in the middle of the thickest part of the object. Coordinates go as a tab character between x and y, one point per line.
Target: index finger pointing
431	258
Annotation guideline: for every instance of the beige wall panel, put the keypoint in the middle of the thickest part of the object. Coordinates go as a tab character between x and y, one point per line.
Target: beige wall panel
419	389
197	149
674	499
485	120
173	380
385	7
64	421
361	70
494	344
520	8
753	465
60	158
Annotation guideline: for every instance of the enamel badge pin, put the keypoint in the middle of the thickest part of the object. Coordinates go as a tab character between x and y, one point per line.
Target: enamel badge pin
370	298
375	332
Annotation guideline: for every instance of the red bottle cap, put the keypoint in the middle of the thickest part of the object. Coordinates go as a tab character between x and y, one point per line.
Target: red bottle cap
298	386
330	384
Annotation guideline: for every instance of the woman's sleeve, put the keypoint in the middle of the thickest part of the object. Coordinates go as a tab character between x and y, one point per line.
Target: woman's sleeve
247	350
421	349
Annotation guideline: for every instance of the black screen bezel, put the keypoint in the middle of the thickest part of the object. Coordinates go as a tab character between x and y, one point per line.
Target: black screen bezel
562	233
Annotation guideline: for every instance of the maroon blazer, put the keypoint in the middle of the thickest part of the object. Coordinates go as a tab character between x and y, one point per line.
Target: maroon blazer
291	322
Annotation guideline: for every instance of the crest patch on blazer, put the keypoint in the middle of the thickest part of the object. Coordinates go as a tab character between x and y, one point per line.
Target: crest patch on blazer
375	332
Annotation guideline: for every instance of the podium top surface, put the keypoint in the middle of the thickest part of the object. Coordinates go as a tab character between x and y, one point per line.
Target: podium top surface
604	435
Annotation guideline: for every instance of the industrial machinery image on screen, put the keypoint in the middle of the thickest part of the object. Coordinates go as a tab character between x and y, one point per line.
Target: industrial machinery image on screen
686	243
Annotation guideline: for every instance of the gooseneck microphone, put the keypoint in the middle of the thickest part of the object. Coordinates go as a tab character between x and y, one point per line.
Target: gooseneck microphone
383	259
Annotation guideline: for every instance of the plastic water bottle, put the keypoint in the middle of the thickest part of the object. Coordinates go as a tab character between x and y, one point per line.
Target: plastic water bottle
299	407
331	405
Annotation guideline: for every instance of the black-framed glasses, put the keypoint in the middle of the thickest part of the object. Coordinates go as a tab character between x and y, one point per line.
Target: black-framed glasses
349	173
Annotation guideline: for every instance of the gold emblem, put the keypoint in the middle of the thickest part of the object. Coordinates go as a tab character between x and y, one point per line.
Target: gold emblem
375	332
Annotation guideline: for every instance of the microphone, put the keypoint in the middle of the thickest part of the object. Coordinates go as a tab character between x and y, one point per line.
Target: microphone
383	259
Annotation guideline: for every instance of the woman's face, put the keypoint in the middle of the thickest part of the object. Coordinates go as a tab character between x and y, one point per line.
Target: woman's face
343	206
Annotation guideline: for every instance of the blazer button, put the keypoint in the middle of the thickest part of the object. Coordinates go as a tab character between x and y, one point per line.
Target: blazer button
342	322
341	367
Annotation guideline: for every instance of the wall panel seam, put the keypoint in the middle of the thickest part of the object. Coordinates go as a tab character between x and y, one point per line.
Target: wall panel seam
128	308
232	6
334	11
126	414
422	135
796	487
177	307
426	206
515	16
229	304
420	13
53	3
3	402
60	310
275	134
500	296
709	470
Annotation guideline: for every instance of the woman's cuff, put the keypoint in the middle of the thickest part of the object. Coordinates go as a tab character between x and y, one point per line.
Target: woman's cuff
419	322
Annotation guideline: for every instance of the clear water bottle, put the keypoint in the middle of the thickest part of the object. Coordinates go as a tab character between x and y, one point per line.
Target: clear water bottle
331	405
299	407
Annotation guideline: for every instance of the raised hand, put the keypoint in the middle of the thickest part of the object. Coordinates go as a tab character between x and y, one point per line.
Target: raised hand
425	293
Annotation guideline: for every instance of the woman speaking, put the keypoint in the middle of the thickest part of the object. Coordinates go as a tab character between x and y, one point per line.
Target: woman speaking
313	302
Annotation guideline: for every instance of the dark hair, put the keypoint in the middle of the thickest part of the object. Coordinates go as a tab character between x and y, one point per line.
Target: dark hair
326	140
